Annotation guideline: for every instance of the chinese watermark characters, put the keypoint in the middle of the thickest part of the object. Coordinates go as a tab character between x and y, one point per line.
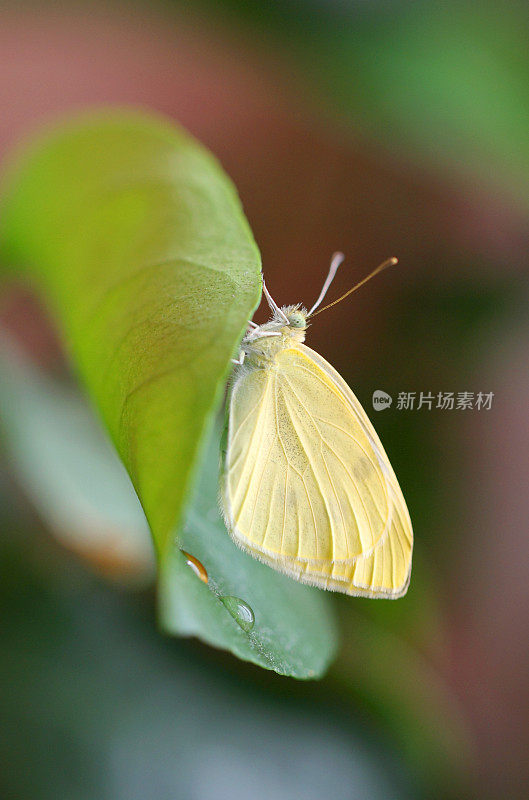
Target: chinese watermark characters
443	401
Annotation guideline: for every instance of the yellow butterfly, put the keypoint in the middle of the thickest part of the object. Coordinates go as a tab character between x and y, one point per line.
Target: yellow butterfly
306	485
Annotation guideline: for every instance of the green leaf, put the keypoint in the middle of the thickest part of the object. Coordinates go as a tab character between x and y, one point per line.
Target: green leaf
137	241
79	487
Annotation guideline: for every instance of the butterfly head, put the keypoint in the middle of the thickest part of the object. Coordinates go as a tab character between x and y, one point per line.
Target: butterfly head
297	317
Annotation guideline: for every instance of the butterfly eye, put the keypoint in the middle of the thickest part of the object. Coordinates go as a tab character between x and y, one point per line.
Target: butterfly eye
297	320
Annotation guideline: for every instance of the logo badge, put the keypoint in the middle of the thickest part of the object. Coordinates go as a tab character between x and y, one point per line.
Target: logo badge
381	400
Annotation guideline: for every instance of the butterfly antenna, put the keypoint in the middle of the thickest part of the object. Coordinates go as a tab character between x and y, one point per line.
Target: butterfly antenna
336	260
390	262
273	305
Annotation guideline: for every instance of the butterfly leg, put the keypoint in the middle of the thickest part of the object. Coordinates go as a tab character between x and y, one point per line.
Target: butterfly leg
239	361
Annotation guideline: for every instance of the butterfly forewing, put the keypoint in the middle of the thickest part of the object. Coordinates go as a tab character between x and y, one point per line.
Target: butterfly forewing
307	486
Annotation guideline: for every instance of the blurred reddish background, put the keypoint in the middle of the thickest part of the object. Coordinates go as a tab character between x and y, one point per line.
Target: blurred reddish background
450	317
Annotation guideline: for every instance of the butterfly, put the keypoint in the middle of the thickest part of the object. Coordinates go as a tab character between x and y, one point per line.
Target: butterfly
306	486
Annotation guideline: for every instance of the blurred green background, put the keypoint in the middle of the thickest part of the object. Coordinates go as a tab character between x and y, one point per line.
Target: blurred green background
379	129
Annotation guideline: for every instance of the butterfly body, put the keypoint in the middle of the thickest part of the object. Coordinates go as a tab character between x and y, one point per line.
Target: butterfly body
306	484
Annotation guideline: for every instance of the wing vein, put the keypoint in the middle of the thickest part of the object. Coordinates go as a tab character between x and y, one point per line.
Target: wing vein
351	478
256	429
278	433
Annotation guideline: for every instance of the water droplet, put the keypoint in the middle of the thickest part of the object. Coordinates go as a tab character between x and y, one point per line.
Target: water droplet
240	611
196	565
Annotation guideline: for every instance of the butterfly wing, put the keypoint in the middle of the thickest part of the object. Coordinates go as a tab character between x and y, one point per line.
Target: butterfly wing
307	486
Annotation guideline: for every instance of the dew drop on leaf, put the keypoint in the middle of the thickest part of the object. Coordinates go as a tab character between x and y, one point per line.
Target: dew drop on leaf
197	566
240	611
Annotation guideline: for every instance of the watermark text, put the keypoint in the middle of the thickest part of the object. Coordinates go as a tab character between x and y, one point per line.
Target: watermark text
443	401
